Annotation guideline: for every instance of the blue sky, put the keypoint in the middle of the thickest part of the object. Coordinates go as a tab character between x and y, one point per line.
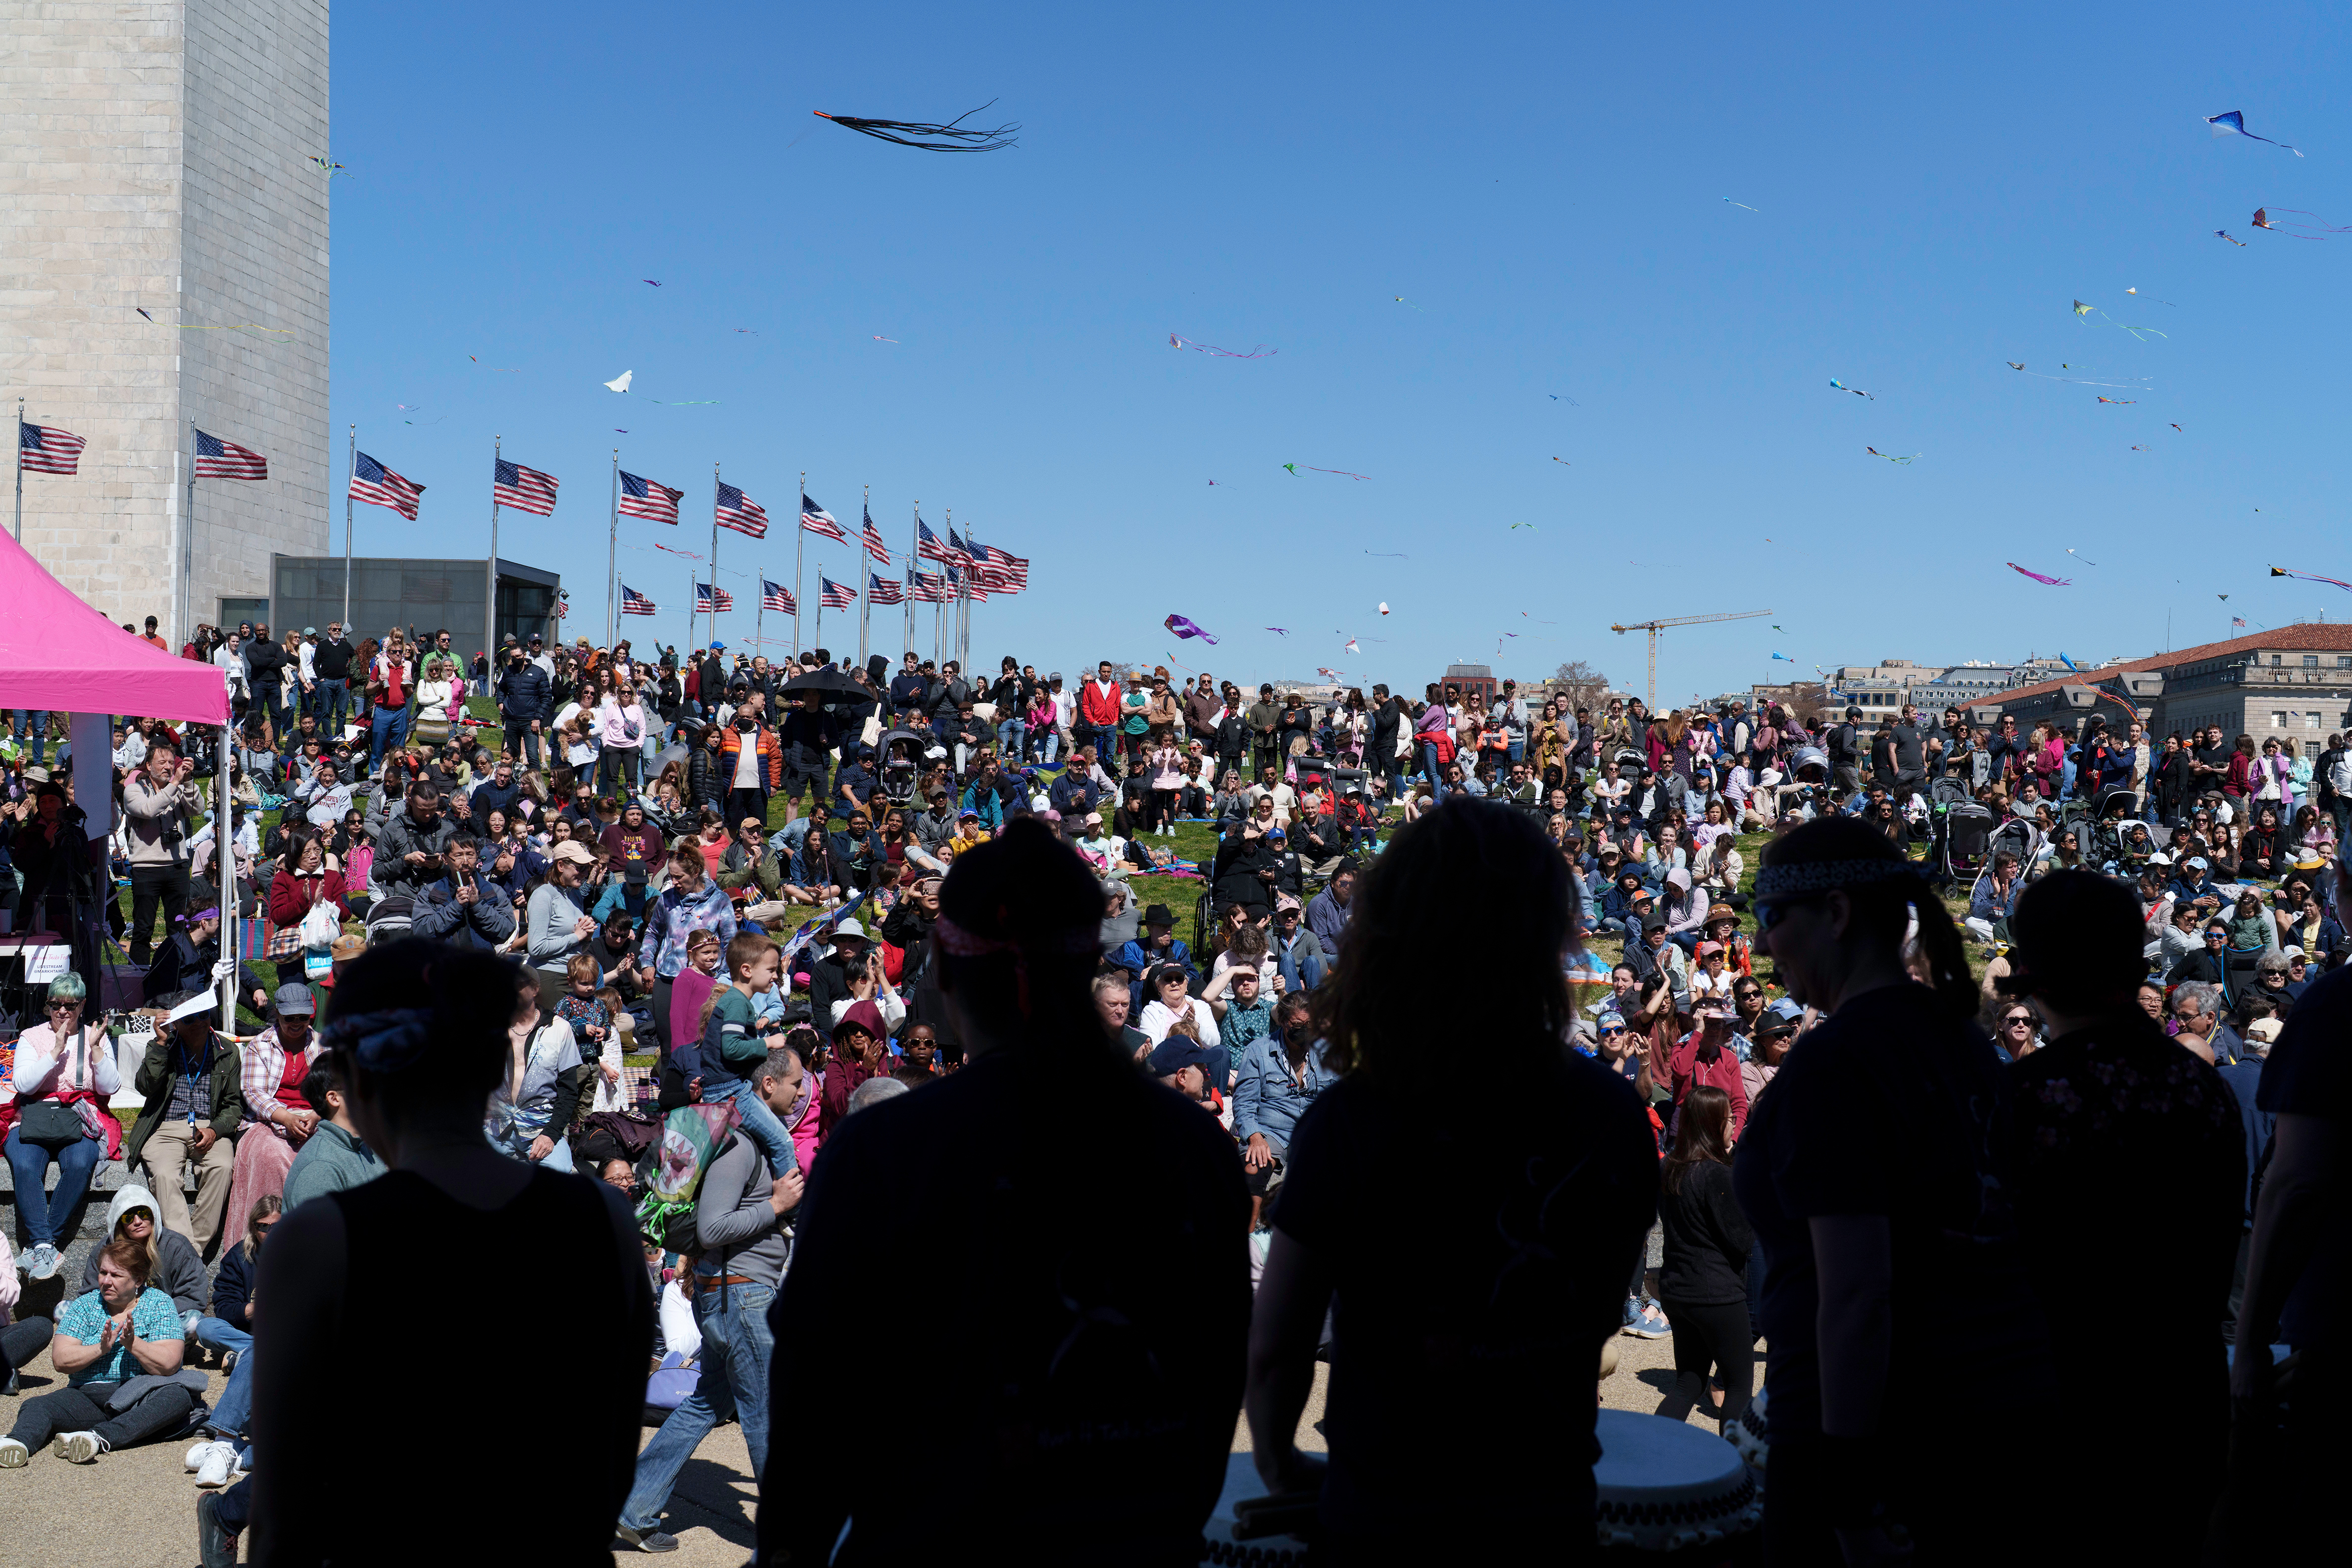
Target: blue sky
1546	184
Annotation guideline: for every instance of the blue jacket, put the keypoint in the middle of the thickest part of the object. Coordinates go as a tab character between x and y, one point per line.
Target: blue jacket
981	798
1267	1099
233	1285
1138	959
486	922
1073	794
526	694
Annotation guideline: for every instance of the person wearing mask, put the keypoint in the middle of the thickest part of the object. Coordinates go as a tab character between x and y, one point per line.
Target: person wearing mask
195	1105
1702	1282
1281	1073
1549	1193
1891	1267
2125	1159
464	906
62	1063
420	1038
742	1245
797	754
1118	1306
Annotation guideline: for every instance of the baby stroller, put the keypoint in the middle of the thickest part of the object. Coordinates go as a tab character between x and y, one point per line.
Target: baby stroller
900	764
2114	818
1961	830
2018	837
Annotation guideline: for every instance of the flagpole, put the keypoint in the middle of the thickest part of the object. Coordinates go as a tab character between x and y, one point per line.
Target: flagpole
714	552
20	471
613	561
349	479
800	543
866	599
913	544
491	609
188	539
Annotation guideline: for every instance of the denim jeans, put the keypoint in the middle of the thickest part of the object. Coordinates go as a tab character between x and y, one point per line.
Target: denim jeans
1429	761
1008	735
1046	741
29	1163
36	721
329	701
223	1335
389	729
760	1125
736	1346
230	1416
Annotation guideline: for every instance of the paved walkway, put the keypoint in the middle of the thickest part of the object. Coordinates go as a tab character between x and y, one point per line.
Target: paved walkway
138	1508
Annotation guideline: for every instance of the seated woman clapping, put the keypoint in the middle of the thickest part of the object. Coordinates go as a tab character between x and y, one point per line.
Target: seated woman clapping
108	1342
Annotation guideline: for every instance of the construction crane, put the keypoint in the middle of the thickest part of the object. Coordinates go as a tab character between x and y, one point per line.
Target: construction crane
1651	700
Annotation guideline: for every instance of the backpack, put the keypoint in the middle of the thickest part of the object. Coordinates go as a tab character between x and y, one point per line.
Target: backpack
671	1173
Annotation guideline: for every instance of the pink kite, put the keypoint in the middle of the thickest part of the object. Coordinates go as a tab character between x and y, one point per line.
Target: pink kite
2054	581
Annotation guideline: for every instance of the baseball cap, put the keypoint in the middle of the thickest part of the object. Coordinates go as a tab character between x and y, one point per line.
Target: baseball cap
718	648
310	631
1285	901
294	1000
1049	680
2263	1031
570	849
1781	1014
201	1003
1706	948
2198	861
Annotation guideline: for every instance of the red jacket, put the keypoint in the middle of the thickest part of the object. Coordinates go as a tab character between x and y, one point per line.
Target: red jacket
1723	1073
772	756
1096	708
291	897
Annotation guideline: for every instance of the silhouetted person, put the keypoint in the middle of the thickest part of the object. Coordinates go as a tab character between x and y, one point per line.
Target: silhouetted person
2125	1161
1907	1355
1073	1236
1467	1202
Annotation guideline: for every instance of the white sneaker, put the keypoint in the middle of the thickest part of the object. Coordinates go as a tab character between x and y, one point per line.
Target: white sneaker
43	1262
219	1466
195	1461
12	1454
80	1448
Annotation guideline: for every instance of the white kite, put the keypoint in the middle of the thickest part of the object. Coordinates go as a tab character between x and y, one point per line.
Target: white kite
622	384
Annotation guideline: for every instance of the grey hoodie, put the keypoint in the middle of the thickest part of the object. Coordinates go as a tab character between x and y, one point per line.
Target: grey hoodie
179	1272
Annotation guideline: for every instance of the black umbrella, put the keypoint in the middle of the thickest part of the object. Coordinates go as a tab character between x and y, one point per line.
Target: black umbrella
830	679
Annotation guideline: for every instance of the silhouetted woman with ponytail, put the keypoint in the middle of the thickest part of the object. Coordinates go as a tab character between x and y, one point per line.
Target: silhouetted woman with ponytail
353	1465
1906	1354
1072	1236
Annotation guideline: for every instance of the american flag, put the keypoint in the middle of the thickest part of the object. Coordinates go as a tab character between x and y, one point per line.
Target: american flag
219	460
742	513
648	499
525	489
776	597
703	593
1015	569
562	603
963	584
873	545
41	450
379	485
2237	620
881	590
834	595
926	588
816	520
634	603
959	553
985	569
928	545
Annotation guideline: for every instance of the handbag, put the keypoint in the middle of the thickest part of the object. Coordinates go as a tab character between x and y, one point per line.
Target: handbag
50	1123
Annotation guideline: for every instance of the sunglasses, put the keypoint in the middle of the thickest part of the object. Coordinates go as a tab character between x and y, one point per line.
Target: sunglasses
2020	1021
1771	912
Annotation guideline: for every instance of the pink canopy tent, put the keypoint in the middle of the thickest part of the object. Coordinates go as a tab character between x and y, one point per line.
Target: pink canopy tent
59	655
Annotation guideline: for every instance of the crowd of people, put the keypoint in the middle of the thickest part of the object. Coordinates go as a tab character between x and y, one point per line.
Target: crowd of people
473	896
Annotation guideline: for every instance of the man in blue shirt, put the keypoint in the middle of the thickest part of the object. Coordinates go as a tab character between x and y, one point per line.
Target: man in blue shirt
1280	1074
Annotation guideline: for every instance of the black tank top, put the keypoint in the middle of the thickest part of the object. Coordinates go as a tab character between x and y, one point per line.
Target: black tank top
551	1390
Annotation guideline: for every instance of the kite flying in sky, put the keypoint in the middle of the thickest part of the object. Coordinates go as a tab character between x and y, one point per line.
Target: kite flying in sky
2073	380
1742	205
1855	390
2120	402
1890	458
1257	350
2224	234
621	383
1184	629
950	137
2263	220
2137	294
2085	312
2054	581
2233	123
2312	577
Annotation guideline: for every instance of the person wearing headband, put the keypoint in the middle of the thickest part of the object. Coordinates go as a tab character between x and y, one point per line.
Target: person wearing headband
418	1041
1080	1399
1891	1266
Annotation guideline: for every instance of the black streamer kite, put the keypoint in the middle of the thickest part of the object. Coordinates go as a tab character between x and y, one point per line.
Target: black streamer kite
949	138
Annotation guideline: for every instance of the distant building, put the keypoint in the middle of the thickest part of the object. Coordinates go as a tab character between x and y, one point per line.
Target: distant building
2292	683
308	591
1470	680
